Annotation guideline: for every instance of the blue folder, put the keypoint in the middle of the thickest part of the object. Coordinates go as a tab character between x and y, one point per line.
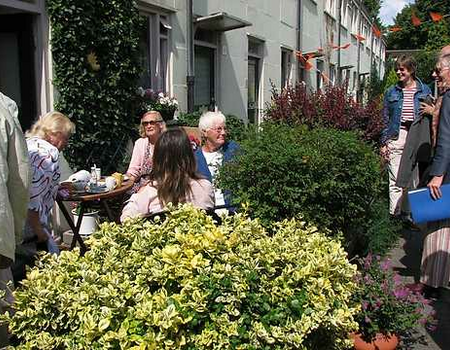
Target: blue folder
424	208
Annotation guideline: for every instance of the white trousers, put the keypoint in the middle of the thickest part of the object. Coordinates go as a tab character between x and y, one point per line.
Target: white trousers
396	148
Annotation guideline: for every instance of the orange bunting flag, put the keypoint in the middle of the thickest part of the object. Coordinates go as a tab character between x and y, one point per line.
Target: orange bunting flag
343	47
308	65
435	16
360	37
334	46
309	56
376	31
415	20
395	29
346	46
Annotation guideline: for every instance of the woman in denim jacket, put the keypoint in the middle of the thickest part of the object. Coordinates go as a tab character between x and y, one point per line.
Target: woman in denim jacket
401	110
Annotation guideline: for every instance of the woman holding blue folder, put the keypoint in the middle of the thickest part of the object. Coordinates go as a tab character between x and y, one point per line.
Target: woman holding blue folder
435	267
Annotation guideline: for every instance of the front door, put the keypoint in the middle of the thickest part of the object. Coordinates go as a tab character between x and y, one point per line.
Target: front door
17	79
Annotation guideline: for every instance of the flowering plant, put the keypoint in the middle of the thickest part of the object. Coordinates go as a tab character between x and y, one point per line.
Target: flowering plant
387	305
158	101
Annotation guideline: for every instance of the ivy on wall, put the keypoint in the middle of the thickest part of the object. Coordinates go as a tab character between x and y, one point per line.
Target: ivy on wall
95	48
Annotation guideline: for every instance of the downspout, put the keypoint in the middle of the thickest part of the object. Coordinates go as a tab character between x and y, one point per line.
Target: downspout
190	77
358	64
300	72
339	43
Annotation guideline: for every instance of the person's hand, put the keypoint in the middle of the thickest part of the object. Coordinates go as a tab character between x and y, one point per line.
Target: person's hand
384	152
426	108
434	186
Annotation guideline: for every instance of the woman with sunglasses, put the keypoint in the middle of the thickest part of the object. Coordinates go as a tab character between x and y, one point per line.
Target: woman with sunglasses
152	125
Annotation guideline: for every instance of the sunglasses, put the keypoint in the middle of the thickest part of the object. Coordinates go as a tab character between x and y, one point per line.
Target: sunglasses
151	122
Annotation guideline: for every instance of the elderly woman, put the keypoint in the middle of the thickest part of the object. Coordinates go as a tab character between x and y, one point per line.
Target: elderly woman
435	267
215	150
47	137
152	124
173	179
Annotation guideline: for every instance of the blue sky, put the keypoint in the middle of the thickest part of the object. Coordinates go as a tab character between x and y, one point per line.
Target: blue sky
390	8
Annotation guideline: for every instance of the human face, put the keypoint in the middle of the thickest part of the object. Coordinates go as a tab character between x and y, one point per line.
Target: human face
59	140
442	75
216	135
152	124
403	74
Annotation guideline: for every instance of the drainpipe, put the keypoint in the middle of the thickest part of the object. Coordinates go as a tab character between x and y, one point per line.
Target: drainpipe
190	77
300	72
339	43
358	64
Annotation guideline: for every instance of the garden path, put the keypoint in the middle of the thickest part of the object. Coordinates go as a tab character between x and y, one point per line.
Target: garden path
406	259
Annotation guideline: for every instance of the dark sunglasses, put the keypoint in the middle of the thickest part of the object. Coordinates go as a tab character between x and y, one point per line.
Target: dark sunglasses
151	122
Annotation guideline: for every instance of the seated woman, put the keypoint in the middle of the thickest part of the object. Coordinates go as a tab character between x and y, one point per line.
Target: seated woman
173	179
152	125
215	151
46	138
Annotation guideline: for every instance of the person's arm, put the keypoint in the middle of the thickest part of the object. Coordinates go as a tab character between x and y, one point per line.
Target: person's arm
138	204
441	160
384	150
36	226
134	169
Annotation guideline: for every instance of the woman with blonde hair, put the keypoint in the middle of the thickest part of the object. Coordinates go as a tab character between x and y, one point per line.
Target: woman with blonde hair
173	178
152	125
46	138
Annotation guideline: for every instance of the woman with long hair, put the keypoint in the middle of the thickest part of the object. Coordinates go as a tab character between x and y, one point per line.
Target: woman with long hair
151	126
173	178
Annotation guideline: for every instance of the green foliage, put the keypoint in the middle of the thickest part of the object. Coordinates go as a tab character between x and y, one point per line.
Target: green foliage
328	177
428	35
95	48
186	283
236	127
390	79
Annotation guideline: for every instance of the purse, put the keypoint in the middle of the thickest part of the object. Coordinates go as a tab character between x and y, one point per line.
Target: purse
424	208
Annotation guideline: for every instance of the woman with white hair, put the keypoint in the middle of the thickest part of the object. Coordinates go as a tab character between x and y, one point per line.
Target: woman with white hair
215	151
47	137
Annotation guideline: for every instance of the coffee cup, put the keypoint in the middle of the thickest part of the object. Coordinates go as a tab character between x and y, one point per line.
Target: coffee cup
110	183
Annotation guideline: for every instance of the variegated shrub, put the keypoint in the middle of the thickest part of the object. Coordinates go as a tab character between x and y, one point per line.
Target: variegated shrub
185	283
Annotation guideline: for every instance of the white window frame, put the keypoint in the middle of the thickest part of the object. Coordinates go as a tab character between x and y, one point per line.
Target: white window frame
287	64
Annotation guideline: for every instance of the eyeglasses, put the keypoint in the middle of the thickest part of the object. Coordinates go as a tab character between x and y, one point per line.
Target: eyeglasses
437	70
151	122
219	129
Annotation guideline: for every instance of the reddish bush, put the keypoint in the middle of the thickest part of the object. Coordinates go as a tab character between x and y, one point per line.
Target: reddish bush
333	107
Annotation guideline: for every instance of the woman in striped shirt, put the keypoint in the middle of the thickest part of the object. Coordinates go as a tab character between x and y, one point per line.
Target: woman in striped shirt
401	110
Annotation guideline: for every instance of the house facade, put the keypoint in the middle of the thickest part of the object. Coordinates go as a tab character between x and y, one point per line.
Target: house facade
208	53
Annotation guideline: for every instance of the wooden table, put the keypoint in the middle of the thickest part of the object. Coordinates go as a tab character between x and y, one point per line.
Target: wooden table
85	199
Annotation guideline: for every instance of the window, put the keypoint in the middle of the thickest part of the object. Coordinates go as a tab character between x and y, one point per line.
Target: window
330	7
204	87
355	21
344	9
154	45
286	67
332	74
255	54
349	17
319	79
205	68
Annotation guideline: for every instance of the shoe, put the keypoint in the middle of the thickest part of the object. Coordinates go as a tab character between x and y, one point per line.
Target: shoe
416	287
408	223
431	293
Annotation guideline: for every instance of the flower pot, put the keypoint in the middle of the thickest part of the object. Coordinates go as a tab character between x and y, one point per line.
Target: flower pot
89	223
167	114
381	342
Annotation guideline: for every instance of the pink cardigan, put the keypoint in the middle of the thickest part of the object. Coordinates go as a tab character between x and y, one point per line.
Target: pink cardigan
137	158
146	200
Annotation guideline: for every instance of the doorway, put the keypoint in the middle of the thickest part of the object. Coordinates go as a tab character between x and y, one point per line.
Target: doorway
17	73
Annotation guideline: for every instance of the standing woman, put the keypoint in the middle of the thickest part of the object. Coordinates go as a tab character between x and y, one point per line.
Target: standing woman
401	109
152	125
435	268
47	137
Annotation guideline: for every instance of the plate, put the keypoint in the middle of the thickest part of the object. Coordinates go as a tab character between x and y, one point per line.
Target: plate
97	190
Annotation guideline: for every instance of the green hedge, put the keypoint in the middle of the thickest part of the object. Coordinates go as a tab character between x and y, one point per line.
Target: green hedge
186	283
328	177
95	48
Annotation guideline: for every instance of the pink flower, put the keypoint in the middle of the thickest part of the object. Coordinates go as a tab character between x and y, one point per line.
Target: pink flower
401	293
386	265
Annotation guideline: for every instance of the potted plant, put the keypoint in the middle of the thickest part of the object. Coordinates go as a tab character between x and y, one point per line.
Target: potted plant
388	308
89	223
158	101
